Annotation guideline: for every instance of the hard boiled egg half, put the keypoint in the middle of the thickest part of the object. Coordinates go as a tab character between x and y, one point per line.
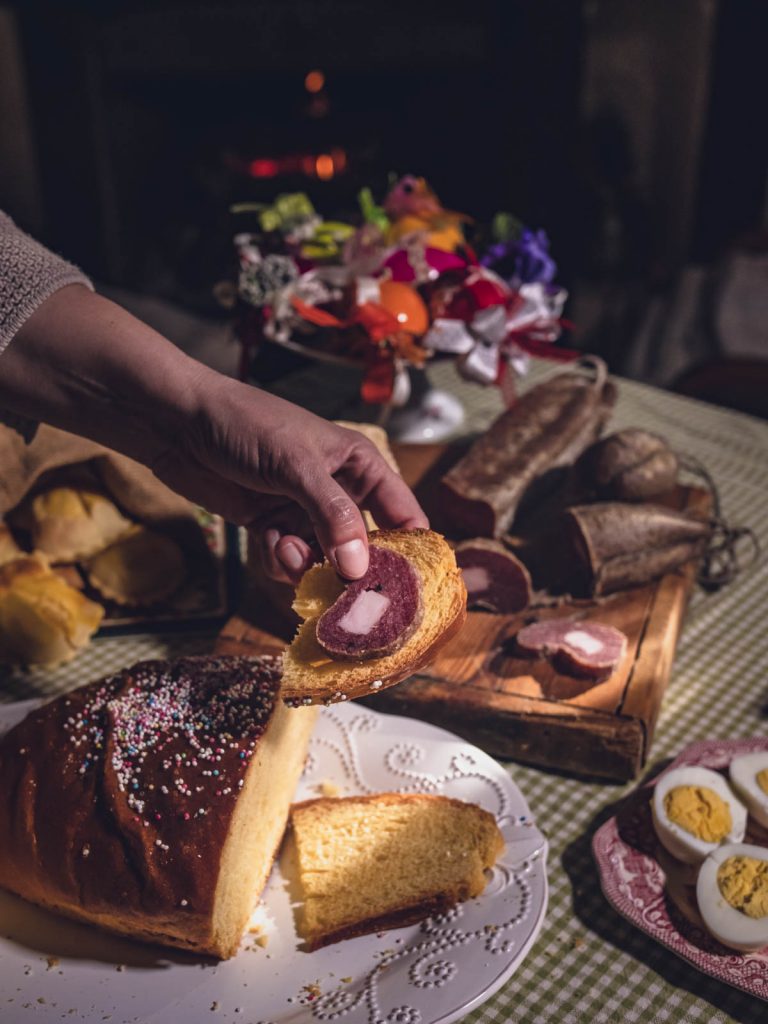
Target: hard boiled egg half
732	893
749	777
695	811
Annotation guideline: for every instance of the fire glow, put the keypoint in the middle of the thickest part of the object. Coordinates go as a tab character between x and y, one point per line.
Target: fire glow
312	165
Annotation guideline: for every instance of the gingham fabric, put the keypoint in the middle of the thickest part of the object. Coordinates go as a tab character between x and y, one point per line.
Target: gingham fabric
588	964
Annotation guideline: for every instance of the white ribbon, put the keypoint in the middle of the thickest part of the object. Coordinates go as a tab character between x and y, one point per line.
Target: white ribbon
481	343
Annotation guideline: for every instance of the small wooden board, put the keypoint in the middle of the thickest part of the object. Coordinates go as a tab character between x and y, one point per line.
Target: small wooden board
522	708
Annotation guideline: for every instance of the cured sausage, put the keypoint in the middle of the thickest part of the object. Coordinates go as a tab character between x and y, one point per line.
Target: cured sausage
630	465
546	429
376	614
582	648
495	579
620	545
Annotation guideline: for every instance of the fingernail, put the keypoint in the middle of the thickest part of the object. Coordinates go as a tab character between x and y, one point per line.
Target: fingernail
271	537
291	557
352	559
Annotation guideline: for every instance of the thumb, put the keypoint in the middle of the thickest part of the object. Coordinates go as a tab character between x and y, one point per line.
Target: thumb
338	524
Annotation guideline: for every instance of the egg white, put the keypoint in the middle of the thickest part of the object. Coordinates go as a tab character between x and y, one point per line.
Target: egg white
729	925
681	843
743	774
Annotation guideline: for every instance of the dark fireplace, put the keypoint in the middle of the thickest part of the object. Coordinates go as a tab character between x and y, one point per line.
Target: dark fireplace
152	118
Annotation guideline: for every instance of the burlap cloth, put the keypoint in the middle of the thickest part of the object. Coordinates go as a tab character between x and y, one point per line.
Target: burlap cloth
55	458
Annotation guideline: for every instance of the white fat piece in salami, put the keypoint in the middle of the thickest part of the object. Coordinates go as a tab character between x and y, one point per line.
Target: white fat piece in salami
364	612
375	615
476	579
583	648
495	579
582	641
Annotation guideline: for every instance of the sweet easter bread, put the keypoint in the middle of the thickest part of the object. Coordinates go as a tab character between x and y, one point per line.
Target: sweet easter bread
365	863
152	803
316	673
43	620
68	524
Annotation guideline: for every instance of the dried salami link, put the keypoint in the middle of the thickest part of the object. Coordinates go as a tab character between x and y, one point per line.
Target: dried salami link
547	428
376	614
630	465
495	579
622	545
584	648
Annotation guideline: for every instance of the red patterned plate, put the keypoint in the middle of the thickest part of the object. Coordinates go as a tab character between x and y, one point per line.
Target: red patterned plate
656	893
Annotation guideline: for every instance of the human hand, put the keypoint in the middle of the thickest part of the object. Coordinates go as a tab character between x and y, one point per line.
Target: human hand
296	481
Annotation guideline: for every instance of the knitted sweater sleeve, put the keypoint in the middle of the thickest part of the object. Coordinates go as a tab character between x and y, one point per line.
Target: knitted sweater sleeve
29	274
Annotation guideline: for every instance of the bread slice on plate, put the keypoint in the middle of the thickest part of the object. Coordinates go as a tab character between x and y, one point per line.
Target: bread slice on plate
361	864
152	803
315	673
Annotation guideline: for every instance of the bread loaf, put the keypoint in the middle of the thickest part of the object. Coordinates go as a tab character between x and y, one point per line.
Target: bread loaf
43	620
152	803
312	674
364	863
68	524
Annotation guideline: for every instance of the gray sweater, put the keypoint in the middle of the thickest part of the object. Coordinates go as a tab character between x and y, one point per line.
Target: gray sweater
29	274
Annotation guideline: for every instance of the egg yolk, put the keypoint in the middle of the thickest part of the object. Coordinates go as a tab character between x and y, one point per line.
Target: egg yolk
762	780
743	881
699	811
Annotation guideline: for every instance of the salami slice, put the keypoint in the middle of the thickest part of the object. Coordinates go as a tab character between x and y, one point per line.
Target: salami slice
495	579
375	615
582	648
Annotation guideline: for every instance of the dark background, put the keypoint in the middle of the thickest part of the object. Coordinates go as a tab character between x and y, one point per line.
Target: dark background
635	133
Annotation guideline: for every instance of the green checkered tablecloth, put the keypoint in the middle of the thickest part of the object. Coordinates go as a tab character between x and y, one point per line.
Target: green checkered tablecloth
588	964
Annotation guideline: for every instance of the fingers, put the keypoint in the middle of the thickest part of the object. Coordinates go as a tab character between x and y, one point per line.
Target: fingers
285	557
338	524
295	555
375	486
394	506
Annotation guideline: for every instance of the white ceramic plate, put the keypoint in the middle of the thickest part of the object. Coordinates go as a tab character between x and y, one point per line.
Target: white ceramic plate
52	969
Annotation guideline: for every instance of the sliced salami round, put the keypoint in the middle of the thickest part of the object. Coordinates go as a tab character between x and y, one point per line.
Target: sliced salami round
374	615
495	579
583	648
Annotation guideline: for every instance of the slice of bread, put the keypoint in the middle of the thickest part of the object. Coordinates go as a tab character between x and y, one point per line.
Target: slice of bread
312	676
365	863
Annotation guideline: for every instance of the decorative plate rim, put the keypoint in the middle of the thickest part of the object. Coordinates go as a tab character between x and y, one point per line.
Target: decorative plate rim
646	906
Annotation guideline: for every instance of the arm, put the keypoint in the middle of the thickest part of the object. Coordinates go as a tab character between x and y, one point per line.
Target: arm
84	364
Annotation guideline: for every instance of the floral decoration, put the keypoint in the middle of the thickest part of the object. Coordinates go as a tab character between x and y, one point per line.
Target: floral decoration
401	287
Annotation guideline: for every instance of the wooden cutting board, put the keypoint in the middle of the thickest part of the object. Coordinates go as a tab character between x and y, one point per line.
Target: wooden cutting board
522	708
